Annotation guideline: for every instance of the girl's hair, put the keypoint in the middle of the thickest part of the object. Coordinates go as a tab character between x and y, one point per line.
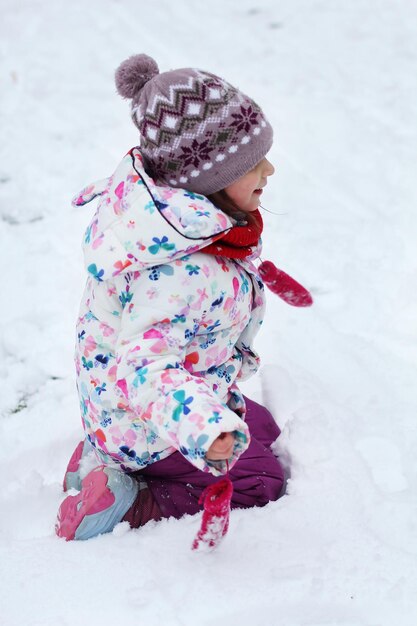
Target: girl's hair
222	201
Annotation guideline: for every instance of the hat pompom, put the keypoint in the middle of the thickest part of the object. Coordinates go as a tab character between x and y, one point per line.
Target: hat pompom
134	73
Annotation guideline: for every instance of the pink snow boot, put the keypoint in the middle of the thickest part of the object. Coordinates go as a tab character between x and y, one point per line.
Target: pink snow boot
105	497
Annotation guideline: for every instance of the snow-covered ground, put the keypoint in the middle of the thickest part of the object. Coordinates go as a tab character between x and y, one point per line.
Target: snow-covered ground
338	82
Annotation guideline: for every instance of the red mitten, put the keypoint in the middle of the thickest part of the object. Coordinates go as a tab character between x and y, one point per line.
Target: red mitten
215	521
284	286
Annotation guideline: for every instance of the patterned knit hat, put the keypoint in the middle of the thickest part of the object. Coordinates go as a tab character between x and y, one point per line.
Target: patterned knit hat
197	131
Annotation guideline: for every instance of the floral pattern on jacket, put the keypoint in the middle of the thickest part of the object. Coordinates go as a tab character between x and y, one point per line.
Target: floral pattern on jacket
165	331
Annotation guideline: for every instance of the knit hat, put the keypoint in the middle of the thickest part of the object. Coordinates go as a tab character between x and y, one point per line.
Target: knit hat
198	132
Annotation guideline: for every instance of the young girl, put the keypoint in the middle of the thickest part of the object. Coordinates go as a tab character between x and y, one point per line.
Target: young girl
171	307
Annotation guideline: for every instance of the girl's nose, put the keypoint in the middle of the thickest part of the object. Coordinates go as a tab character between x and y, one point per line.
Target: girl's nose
269	168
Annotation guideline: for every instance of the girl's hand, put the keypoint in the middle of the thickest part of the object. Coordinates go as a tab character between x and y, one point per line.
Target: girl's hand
221	448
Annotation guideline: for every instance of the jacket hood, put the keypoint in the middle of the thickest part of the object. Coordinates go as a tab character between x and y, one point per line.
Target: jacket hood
140	224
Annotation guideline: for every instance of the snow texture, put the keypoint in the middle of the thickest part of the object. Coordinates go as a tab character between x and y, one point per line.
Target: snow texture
338	82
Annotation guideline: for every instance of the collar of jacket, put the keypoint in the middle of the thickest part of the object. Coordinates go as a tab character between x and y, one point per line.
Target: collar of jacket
140	224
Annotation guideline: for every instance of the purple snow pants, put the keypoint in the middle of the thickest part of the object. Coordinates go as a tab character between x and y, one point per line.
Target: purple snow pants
257	476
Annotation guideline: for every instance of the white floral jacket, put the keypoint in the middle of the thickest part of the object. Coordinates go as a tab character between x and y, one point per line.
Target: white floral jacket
165	331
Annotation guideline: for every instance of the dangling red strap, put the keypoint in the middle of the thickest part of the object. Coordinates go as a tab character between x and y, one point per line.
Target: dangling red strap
284	286
215	521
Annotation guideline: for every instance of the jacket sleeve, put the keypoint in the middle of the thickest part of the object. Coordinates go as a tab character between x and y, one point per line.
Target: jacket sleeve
179	407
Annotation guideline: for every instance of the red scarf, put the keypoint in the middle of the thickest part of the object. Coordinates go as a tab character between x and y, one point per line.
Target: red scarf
241	241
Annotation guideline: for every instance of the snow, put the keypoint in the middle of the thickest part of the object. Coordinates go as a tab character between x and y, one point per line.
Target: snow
337	81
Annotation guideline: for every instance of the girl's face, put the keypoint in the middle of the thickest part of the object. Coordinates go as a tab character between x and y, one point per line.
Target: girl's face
246	191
